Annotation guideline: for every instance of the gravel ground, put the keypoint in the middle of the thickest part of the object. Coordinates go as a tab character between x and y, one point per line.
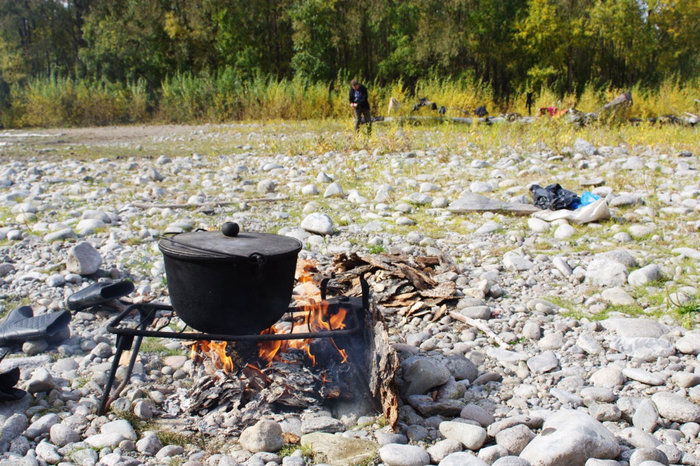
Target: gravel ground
600	319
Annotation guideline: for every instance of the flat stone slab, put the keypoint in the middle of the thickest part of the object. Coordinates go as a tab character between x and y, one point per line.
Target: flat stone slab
339	451
472	202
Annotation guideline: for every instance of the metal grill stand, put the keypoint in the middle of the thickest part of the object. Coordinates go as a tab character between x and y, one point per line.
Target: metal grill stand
130	331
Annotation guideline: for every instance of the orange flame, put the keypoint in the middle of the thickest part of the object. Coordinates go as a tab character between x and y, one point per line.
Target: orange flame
314	318
216	351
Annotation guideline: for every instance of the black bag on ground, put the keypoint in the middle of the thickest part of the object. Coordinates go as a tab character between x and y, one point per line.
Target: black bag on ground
553	197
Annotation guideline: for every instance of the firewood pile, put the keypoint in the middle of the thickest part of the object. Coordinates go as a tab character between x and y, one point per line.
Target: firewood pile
413	286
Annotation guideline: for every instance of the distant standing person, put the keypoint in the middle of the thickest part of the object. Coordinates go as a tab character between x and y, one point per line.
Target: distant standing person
359	101
528	102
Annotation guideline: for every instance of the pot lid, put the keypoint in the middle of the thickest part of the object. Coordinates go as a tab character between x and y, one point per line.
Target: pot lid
209	245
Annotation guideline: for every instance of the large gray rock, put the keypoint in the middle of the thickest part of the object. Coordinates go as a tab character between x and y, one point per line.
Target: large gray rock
41	426
471	436
570	437
396	454
265	435
472	202
643	348
689	344
318	223
61	435
443	448
422	374
609	376
605	272
515	439
543	362
83	259
676	407
477	413
645	275
121	427
627	327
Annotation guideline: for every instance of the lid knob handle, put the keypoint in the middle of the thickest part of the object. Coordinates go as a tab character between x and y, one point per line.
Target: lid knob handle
230	229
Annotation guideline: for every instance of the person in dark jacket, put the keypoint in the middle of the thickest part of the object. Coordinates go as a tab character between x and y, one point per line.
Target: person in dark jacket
359	101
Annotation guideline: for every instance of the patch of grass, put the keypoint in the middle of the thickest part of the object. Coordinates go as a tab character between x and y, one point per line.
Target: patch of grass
289	448
168	437
687	313
155	345
376	249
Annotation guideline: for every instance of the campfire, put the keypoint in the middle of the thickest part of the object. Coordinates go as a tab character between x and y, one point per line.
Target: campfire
321	350
314	355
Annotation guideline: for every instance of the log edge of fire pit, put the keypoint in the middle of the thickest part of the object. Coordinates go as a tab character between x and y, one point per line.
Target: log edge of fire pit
383	363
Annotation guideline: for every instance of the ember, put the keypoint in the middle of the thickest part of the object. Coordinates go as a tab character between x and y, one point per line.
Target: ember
216	351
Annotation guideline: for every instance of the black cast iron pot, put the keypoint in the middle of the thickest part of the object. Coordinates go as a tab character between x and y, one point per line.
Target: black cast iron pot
228	282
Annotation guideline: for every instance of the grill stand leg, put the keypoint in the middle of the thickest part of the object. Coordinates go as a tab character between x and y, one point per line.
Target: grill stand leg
123	342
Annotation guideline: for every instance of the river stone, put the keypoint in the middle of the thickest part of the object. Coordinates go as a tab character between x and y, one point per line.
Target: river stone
64	233
645	349
492	453
645	275
689	344
396	454
61	435
609	376
627	327
88	226
645	416
84	457
605	272
543	363
685	379
47	452
516	262
265	435
617	297
570	437
564	231
423	374
443	448
537	226
333	190
12	427
477	413
515	439
318	223
589	344
41	381
676	407
584	147
638	438
640	456
640	375
121	427
41	426
619	255
471	436
83	259
511	461
462	458
150	444
100	441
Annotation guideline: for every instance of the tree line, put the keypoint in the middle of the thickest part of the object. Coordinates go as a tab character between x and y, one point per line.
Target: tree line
509	45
